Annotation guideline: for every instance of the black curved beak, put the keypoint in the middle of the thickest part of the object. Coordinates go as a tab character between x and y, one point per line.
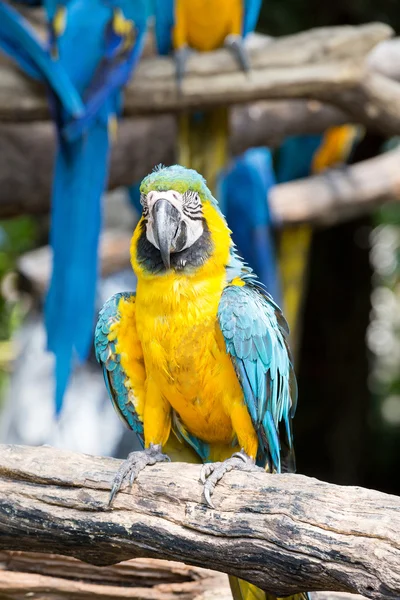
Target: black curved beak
166	222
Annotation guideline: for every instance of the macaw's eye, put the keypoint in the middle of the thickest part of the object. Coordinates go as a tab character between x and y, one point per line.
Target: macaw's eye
192	205
145	206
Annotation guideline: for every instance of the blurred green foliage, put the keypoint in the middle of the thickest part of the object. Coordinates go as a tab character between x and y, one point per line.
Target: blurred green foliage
16	236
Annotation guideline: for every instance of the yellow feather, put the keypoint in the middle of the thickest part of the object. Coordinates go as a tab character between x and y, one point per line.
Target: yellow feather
177	325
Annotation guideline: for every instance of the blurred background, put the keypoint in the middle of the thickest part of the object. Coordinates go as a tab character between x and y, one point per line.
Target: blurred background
347	346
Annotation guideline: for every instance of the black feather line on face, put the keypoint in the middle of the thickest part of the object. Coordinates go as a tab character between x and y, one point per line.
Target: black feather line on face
149	257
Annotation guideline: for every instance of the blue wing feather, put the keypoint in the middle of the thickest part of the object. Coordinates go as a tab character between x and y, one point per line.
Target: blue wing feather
114	375
251	14
82	167
247	313
246	185
20	41
164	22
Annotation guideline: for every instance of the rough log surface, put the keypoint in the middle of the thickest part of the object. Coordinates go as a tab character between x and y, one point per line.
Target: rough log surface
52	576
326	64
334	196
338	194
27	149
284	533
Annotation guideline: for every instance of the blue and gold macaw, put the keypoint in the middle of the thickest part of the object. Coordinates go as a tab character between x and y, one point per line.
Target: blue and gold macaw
94	45
243	195
298	157
197	362
204	25
20	41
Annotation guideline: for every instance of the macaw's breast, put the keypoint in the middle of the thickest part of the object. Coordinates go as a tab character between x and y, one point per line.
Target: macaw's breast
204	24
184	352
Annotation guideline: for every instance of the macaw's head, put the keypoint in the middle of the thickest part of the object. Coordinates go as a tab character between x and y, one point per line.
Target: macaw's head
180	225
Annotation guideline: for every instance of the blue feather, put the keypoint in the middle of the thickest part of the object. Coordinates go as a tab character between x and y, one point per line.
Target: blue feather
20	41
249	318
244	189
164	22
251	13
295	157
82	168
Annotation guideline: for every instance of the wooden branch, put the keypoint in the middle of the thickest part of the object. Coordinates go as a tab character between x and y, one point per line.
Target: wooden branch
50	575
284	533
325	63
338	194
27	150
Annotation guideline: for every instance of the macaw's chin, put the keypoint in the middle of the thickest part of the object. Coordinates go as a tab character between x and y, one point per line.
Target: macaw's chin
170	251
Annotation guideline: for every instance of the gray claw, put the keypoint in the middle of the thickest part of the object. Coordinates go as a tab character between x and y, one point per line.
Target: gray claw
207	496
181	57
235	43
131	467
212	473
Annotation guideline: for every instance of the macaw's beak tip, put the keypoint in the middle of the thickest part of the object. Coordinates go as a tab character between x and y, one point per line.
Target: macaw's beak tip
166	222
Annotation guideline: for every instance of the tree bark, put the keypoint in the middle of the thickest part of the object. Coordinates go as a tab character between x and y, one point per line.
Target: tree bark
51	576
334	196
27	149
284	533
315	64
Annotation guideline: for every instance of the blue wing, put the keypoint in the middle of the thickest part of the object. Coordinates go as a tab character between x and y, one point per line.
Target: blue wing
244	190
255	336
121	57
295	156
251	14
113	44
19	40
115	378
164	22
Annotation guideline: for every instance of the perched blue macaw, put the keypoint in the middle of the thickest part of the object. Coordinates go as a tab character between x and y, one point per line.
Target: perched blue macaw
204	25
95	46
243	193
197	362
20	41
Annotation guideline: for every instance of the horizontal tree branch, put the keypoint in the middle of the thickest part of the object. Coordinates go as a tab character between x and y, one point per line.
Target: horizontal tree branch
336	195
326	64
284	533
52	576
27	149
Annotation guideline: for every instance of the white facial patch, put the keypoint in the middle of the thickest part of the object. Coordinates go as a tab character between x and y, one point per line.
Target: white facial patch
189	207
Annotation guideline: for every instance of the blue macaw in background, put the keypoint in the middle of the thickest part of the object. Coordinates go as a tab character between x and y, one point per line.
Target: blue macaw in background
243	193
20	41
97	45
185	25
112	36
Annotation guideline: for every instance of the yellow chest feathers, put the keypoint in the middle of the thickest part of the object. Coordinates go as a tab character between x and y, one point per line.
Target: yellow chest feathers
177	324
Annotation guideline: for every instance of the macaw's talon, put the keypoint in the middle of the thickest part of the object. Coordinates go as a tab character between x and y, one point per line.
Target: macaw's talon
235	44
131	467
212	473
181	57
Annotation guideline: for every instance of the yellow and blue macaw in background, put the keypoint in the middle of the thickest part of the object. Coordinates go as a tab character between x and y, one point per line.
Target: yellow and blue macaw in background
19	40
96	45
243	195
298	157
197	362
204	25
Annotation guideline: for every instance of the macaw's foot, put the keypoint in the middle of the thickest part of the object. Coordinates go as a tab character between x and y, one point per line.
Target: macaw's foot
181	57
212	473
235	44
135	463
